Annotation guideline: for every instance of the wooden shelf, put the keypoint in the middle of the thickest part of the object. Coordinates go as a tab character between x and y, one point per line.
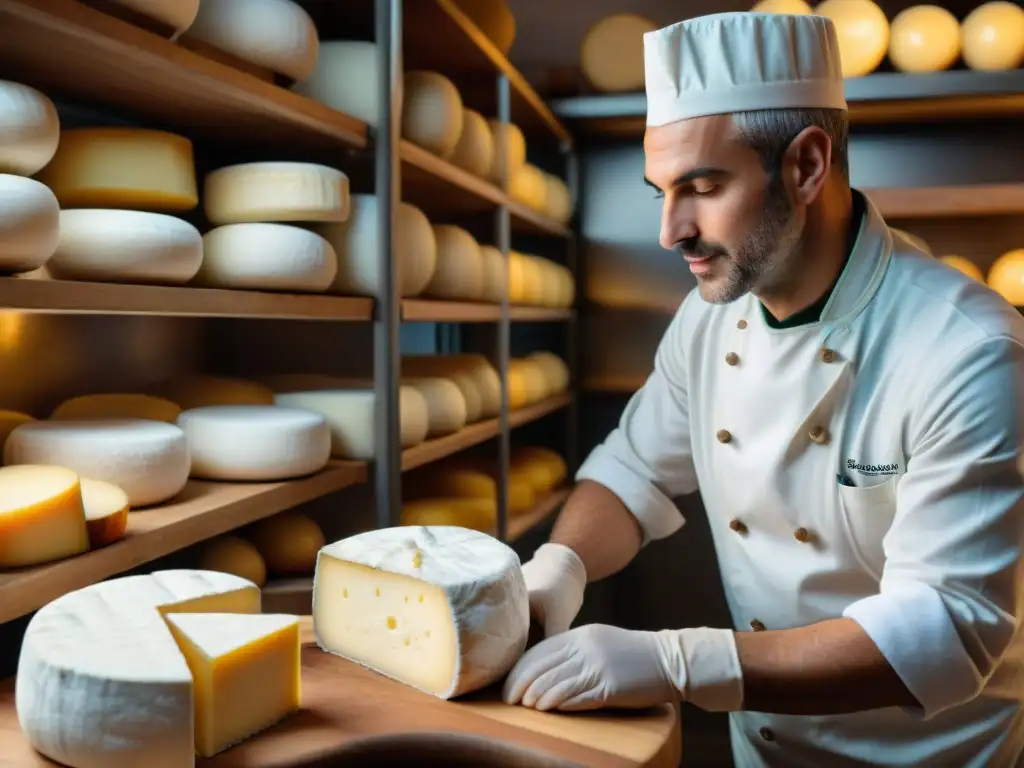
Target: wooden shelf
522	314
948	202
65	48
429	311
201	511
72	297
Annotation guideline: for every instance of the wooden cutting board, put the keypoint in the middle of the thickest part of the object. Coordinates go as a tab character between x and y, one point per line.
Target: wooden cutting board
353	715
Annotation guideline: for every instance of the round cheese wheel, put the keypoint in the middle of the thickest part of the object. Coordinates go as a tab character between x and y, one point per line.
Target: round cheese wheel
474	151
357	244
495	20
334	83
533	281
555	370
533	382
9	421
612	54
966	266
495	274
471	373
567	296
477	479
277	35
557	199
781	6
176	14
992	36
475	514
431	112
197	390
126	247
234	555
1006	276
530	186
132	168
545	465
149	460
106	512
262	192
914	240
863	33
118	406
459	273
266	257
507	137
255	442
29	129
516	278
29	224
446	407
924	38
551	283
41	507
289	543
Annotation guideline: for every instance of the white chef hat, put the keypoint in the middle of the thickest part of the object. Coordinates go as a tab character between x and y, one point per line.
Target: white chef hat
735	62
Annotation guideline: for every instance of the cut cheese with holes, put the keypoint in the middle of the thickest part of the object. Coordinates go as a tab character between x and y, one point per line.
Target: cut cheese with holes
234	555
126	247
459	273
29	129
148	459
431	112
41	515
275	192
478	514
509	151
266	257
441	609
101	681
289	543
199	390
29	224
612	53
276	35
473	374
106	512
862	31
118	407
495	274
130	168
333	83
446	407
475	150
246	673
9	421
255	442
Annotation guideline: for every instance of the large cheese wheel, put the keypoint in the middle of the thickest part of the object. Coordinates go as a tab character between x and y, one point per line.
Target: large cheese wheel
473	513
863	33
795	7
130	168
530	186
1006	276
41	515
126	247
9	421
992	36
555	370
542	465
258	192
533	291
357	244
149	460
29	129
495	274
549	290
475	149
176	14
612	53
29	224
117	406
255	442
199	390
266	257
531	378
277	35
476	480
446	407
924	38
471	373
516	278
288	542
234	555
508	137
431	112
495	20
345	79
557	199
966	266
459	273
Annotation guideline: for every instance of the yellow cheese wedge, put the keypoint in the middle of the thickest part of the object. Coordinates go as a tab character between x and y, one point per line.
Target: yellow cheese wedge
288	543
966	266
9	421
246	673
41	515
863	33
106	512
992	36
118	406
1006	276
924	38
234	555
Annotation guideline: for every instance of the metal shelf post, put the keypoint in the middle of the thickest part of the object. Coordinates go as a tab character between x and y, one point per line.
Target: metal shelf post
503	238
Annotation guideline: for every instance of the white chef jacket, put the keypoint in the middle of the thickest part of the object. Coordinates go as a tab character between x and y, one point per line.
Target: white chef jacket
865	465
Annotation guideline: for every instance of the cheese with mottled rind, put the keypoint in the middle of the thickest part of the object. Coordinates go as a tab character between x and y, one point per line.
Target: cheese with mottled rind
275	192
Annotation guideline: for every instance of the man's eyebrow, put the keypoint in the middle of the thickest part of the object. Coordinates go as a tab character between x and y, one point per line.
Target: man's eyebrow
707	172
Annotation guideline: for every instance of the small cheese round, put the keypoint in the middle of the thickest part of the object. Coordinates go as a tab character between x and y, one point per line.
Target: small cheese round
567	293
516	277
431	112
29	129
966	266
357	244
549	290
511	138
132	168
266	257
495	274
557	199
532	280
289	543
542	465
29	224
274	192
531	381
475	150
149	460
459	273
255	442
106	512
41	515
198	390
446	407
477	478
473	374
863	33
176	14
794	7
234	555
334	83
612	53
495	20
126	247
1006	276
476	514
530	186
9	421
924	38
277	35
118	406
992	36
555	370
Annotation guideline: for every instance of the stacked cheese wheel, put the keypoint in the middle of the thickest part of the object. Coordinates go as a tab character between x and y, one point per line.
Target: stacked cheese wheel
173	16
536	281
155	669
283	545
536	377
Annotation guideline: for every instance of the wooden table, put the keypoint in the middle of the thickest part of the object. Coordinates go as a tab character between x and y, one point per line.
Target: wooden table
349	712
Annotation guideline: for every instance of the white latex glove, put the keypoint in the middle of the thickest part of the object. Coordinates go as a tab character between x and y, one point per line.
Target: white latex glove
555	580
602	666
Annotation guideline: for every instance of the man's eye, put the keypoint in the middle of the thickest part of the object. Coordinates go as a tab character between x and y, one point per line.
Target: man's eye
705	190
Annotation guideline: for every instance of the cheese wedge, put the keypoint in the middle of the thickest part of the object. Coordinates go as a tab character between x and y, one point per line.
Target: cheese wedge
41	516
106	512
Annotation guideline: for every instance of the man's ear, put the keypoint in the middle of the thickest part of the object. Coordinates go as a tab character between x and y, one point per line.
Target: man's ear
806	163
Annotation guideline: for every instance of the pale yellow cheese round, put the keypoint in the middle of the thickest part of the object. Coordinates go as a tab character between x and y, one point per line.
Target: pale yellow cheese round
476	514
106	512
288	543
863	33
118	406
176	14
431	112
9	421
533	291
507	137
474	151
200	390
495	274
612	53
476	480
555	371
459	274
992	36
781	6
924	38
558	199
516	278
533	380
530	186
495	20
475	375
966	266
567	294
1006	276
446	407
546	466
41	515
551	283
234	555
275	192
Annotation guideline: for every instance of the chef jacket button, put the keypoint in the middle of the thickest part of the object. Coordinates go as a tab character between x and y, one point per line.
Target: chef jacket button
827	355
732	359
802	535
818	434
757	626
766	734
723	436
741	324
738	525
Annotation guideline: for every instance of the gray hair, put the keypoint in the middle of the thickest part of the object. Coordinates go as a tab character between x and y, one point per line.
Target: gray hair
770	131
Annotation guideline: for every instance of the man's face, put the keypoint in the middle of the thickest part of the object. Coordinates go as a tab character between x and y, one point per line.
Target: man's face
733	224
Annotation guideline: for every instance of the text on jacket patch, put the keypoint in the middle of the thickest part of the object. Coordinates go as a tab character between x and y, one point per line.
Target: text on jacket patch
872	469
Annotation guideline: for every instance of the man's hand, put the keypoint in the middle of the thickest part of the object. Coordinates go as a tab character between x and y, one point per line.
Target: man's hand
555	579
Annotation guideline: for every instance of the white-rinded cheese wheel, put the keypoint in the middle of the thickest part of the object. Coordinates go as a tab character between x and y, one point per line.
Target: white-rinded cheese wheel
475	150
277	35
41	515
9	421
511	137
126	247
459	273
149	460
495	274
863	33
924	38
794	7
117	406
29	224
261	192
350	415
199	390
346	79
558	199
612	53
255	442
106	512
176	14
431	112
288	542
495	20
357	244
234	555
993	36
130	168
29	129
446	407
555	370
529	186
266	257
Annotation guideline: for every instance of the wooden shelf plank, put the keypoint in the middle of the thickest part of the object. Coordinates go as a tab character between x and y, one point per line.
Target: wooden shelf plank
202	510
523	523
430	311
540	314
66	48
72	297
946	202
522	416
